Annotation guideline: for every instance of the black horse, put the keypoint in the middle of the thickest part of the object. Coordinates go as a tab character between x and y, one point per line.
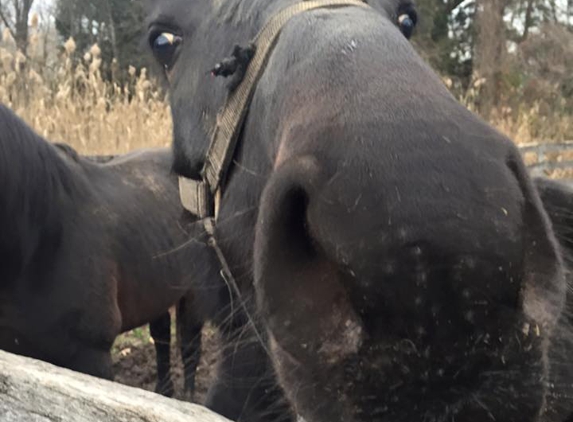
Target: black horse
403	264
90	250
557	196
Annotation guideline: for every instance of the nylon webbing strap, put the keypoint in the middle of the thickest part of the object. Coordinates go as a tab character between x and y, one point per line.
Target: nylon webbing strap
230	119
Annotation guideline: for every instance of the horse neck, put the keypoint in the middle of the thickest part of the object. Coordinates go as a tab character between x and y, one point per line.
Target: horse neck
38	192
36	174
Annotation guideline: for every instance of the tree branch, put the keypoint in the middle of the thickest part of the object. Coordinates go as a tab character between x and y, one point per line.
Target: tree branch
7	23
528	20
16	6
452	4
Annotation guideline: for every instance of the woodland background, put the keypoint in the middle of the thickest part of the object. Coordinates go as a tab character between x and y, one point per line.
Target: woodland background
77	70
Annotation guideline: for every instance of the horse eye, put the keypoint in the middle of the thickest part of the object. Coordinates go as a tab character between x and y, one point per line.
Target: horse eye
165	46
406	24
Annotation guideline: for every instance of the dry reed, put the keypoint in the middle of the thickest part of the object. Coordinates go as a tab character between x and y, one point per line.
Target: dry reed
71	102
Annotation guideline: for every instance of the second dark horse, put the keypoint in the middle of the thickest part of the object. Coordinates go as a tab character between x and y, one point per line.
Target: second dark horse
91	250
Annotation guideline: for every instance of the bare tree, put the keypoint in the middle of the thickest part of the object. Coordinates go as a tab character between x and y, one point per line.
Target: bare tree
14	15
489	52
112	30
528	21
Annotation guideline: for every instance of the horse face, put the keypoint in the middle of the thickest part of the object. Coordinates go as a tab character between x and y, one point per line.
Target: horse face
403	263
187	39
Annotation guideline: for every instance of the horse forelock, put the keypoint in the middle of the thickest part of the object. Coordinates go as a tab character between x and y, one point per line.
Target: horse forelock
68	151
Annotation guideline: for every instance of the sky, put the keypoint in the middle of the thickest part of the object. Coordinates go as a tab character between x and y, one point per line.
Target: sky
43	5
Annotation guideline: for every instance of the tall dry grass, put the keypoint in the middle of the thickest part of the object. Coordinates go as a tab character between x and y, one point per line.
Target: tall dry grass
523	124
70	102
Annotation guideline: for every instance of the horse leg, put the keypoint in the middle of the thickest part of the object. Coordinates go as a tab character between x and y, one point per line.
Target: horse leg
189	327
160	330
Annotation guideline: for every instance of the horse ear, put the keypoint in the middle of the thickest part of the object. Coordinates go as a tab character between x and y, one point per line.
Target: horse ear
557	198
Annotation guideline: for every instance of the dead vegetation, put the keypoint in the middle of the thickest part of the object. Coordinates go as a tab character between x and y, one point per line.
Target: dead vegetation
69	101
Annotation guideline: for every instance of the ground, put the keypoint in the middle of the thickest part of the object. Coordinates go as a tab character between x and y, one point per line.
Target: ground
134	362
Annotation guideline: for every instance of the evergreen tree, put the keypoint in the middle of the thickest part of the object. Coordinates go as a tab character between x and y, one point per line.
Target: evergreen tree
115	25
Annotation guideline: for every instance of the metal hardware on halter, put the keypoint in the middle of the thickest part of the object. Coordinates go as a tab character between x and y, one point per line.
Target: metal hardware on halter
195	197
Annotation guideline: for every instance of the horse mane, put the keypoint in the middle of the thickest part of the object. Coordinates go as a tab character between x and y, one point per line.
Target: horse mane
68	150
37	185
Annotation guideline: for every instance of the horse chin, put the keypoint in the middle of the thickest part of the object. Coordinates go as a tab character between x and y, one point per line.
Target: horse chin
459	373
357	390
